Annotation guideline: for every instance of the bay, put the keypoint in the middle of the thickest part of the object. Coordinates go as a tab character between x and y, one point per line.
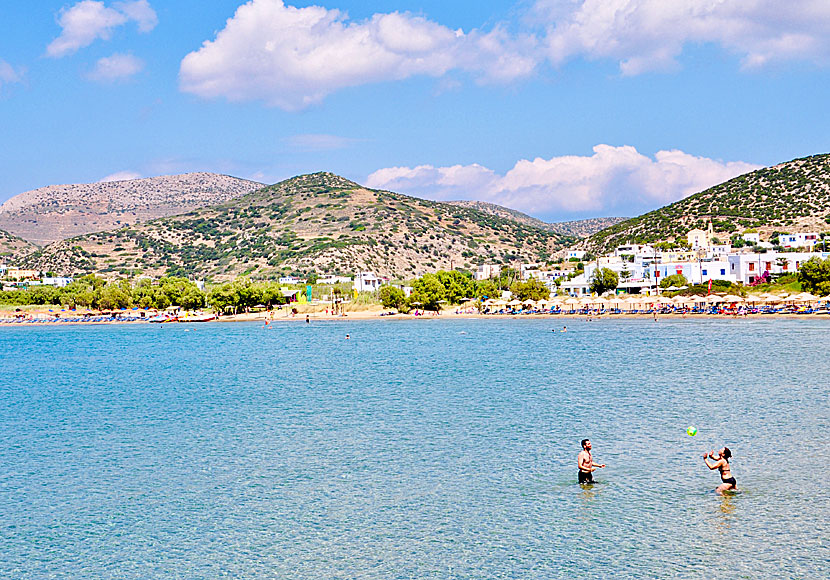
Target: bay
415	449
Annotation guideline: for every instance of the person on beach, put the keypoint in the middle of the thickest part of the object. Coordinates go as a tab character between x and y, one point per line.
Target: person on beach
721	462
586	463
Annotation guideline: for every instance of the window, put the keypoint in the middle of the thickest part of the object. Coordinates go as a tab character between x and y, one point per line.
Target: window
723	271
705	273
752	266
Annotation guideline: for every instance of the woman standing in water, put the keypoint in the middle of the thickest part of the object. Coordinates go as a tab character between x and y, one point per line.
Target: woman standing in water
721	462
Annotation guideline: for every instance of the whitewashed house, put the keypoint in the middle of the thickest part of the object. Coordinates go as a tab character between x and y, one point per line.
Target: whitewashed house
802	240
486	271
367	282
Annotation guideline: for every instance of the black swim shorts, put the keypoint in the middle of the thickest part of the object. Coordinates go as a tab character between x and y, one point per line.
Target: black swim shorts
731	481
586	477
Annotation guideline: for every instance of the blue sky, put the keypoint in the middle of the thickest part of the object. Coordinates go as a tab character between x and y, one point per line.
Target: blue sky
560	108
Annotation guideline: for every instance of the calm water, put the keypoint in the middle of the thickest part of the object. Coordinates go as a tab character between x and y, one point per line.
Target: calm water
417	449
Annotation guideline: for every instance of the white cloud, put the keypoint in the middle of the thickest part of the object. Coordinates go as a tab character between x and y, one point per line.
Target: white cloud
8	74
616	180
646	35
116	67
293	57
121	176
89	20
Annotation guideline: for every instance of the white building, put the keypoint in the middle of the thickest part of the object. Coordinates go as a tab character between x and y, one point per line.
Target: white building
57	281
367	282
747	268
578	286
752	238
332	279
576	254
695	272
486	271
289	280
802	240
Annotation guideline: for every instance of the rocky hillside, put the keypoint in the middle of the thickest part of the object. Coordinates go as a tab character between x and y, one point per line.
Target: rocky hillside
318	222
576	228
48	214
12	247
790	197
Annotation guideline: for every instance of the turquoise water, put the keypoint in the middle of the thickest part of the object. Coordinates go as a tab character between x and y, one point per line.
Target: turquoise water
417	449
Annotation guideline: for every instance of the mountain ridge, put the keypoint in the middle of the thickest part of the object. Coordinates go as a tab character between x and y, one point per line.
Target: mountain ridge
55	212
317	222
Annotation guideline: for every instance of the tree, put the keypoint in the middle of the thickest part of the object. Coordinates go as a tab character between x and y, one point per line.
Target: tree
394	297
814	276
456	286
428	292
530	289
674	280
487	288
604	279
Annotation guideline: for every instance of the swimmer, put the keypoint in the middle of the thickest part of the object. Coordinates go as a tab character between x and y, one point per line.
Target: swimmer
564	329
721	462
347	337
586	464
307	321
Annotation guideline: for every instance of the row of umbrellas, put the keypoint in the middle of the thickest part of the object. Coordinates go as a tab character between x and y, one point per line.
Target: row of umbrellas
766	298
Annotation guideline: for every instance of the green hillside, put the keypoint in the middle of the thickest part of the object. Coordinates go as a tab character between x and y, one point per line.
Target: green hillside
791	197
312	223
12	247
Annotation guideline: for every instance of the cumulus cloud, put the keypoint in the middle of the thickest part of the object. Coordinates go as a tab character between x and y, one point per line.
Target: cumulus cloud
88	20
8	74
612	180
121	176
293	57
116	67
645	35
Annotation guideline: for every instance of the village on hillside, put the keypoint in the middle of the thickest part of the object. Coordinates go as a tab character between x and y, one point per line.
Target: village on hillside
639	268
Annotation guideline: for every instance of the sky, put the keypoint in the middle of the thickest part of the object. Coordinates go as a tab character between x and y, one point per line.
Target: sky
563	109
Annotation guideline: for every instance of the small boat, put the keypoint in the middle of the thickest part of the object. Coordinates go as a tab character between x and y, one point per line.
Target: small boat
198	317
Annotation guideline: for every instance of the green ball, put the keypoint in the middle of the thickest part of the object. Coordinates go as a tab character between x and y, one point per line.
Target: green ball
692	431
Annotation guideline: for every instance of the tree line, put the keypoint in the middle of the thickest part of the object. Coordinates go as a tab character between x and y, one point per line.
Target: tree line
434	291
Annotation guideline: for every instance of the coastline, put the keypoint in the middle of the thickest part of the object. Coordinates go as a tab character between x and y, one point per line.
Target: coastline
41	317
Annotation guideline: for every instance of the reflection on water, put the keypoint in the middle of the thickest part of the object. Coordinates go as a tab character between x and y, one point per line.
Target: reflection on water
412	451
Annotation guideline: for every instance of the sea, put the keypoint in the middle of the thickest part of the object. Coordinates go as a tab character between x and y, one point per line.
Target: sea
413	449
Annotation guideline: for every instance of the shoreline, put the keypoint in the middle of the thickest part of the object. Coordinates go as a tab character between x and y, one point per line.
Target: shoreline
375	314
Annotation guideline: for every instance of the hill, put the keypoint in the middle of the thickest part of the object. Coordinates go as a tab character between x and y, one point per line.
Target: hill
12	247
56	212
790	197
312	223
576	228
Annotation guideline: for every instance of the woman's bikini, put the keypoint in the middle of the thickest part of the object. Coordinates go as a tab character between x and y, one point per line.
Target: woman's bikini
724	471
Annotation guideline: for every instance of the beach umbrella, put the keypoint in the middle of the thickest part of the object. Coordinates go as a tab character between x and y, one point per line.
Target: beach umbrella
714	299
773	299
733	299
805	297
662	300
514	303
572	301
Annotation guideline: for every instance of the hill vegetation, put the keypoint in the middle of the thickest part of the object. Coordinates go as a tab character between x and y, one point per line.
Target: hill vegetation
13	248
576	228
790	197
56	212
312	223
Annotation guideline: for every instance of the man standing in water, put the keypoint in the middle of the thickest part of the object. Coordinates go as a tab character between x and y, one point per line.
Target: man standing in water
586	463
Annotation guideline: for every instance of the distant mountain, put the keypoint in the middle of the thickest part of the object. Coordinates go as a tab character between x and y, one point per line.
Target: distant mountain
577	228
56	212
790	197
12	247
312	223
